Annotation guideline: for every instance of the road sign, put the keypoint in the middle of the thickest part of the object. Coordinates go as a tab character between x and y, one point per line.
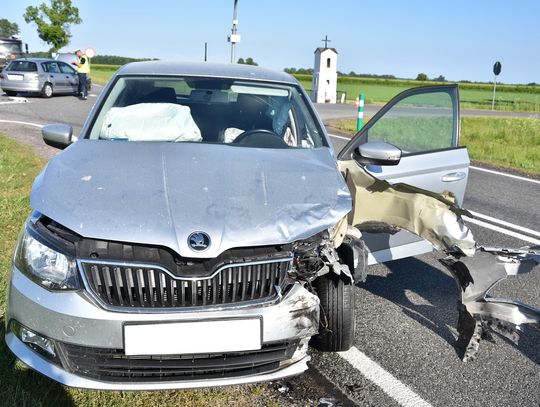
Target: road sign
497	68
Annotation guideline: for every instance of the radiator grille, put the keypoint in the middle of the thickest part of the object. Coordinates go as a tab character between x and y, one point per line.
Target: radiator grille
114	365
148	286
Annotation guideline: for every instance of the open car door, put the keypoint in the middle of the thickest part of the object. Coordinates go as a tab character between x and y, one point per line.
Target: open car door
406	172
424	124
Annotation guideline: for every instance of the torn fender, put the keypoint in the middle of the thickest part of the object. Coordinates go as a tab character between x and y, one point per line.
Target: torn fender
479	313
438	219
432	216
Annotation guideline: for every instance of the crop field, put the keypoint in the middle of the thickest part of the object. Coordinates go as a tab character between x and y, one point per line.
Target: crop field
380	91
472	95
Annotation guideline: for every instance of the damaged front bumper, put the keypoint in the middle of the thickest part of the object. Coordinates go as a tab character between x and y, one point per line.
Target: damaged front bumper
88	342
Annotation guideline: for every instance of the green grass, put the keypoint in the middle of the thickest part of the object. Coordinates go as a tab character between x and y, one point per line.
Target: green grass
21	386
102	73
506	142
472	96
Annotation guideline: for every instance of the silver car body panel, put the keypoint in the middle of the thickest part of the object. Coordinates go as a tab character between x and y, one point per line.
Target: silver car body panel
160	193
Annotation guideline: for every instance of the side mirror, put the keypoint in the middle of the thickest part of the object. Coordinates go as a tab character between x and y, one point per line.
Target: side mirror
377	153
57	135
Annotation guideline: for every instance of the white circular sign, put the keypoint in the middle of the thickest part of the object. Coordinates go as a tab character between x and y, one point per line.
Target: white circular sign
90	52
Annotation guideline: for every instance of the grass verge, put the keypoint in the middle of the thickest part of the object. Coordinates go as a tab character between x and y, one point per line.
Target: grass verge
506	142
102	73
21	386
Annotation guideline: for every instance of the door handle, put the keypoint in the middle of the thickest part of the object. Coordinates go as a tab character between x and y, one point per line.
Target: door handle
453	176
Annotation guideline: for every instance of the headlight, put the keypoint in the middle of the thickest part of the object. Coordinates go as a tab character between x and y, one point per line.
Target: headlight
44	265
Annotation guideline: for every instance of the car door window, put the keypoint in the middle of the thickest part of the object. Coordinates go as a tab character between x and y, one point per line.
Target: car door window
418	120
419	123
65	68
51	67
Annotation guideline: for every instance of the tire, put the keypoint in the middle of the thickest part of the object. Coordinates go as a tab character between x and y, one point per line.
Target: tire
47	90
336	327
11	93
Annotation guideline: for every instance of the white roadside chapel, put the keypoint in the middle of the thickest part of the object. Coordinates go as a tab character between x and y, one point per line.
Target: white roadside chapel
324	84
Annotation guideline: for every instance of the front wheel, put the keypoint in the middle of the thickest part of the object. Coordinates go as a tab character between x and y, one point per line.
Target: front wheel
47	90
336	326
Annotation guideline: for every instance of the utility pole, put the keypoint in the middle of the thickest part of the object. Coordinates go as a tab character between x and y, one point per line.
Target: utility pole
234	38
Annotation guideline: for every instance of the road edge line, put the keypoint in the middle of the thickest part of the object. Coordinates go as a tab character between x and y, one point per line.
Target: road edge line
502	230
504	174
25	123
505	223
394	388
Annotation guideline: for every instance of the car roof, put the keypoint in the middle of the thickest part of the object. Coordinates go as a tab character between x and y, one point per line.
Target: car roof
35	59
206	69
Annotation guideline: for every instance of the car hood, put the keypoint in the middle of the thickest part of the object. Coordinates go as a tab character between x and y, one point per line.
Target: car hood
160	193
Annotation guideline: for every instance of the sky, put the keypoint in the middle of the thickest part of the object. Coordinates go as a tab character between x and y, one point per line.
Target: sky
458	39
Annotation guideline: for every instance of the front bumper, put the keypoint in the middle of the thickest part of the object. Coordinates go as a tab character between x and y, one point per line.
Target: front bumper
73	318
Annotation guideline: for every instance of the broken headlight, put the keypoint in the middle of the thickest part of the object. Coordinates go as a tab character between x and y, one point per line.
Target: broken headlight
42	263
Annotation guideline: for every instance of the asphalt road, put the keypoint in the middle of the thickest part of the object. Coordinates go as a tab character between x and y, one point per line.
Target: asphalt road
406	310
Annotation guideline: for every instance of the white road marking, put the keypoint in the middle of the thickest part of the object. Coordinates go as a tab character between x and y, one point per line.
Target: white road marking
507	224
388	383
25	123
502	230
339	137
14	100
504	174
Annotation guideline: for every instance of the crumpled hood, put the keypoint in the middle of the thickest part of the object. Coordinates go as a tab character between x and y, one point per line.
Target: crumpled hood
160	193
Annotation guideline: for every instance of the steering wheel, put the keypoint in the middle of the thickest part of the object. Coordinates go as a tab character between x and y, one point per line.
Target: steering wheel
261	138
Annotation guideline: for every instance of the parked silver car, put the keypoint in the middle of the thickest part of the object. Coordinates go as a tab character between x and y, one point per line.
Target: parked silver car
70	59
201	233
39	75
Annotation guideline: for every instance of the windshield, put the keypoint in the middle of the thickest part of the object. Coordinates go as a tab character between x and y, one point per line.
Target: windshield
207	110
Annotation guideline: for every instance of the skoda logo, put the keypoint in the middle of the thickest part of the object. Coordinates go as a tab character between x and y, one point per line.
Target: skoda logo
199	241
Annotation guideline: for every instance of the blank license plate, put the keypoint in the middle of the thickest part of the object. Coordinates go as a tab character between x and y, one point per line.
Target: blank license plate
15	77
175	338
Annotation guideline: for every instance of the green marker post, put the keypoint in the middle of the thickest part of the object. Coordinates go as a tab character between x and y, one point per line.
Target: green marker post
360	118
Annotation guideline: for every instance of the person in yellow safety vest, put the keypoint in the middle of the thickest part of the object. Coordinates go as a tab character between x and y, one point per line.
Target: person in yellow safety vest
83	69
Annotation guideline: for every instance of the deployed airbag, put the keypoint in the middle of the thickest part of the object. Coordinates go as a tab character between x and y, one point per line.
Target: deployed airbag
150	122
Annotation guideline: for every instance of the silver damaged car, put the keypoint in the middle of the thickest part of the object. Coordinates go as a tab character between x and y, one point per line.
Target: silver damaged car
200	232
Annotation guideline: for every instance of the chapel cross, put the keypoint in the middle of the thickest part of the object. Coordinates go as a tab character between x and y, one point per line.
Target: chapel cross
326	41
